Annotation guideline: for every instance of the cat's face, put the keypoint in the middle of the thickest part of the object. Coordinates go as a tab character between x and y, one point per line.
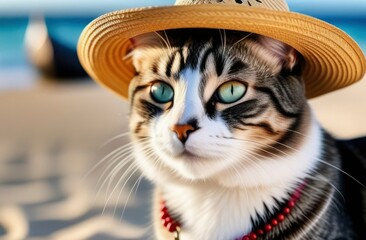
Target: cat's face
208	105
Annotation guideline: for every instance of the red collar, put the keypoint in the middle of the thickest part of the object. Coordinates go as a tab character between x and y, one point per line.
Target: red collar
173	226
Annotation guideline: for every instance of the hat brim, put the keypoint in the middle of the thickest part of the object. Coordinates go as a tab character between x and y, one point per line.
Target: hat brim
333	59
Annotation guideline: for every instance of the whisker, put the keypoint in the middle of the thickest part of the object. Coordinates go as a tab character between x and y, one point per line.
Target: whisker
297	132
344	172
256	156
247	153
237	42
320	178
164	41
111	176
118	158
124	185
132	166
294	149
115	159
134	170
167	39
113	138
324	179
159	167
114	172
223	41
119	167
263	145
322	161
136	184
120	192
104	159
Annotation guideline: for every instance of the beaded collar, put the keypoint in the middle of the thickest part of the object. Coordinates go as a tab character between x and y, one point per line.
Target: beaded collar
173	226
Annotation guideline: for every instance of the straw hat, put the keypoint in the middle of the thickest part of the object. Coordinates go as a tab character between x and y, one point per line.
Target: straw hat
333	59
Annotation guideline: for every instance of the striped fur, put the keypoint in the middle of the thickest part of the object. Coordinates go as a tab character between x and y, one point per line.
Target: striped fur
244	158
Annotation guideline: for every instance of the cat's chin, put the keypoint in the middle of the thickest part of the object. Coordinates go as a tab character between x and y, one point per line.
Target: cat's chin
187	155
192	167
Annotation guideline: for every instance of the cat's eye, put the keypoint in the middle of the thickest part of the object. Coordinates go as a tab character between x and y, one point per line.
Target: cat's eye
161	92
231	92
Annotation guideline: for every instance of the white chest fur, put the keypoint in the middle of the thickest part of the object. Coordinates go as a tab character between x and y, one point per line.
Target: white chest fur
216	212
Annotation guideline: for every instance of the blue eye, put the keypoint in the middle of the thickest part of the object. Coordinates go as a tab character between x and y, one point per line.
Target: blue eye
231	92
161	92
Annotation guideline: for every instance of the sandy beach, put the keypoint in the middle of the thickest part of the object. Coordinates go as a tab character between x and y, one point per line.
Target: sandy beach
49	140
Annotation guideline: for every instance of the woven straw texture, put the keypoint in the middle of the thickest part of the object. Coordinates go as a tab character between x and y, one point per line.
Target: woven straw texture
333	59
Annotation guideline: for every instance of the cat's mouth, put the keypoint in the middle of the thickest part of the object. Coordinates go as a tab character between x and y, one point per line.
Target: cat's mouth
188	155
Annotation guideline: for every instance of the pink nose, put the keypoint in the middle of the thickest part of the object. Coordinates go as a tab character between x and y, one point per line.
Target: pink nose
182	131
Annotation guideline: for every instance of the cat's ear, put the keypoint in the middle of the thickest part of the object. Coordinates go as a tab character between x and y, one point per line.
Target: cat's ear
289	60
141	45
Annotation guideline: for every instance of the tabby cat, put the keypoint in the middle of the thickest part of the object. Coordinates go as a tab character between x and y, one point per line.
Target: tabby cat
222	127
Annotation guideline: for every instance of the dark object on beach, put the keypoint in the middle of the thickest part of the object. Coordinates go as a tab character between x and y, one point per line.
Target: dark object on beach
49	54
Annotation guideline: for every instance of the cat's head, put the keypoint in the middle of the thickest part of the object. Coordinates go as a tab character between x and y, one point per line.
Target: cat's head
211	105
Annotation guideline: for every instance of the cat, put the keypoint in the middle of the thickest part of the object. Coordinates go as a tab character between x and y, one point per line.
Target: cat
221	125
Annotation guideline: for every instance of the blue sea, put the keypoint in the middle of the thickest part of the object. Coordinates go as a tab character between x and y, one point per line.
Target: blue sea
67	30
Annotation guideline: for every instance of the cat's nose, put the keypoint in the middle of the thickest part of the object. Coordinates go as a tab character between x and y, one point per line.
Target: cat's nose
183	131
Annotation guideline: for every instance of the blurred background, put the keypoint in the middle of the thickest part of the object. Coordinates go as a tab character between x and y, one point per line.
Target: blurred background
53	120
